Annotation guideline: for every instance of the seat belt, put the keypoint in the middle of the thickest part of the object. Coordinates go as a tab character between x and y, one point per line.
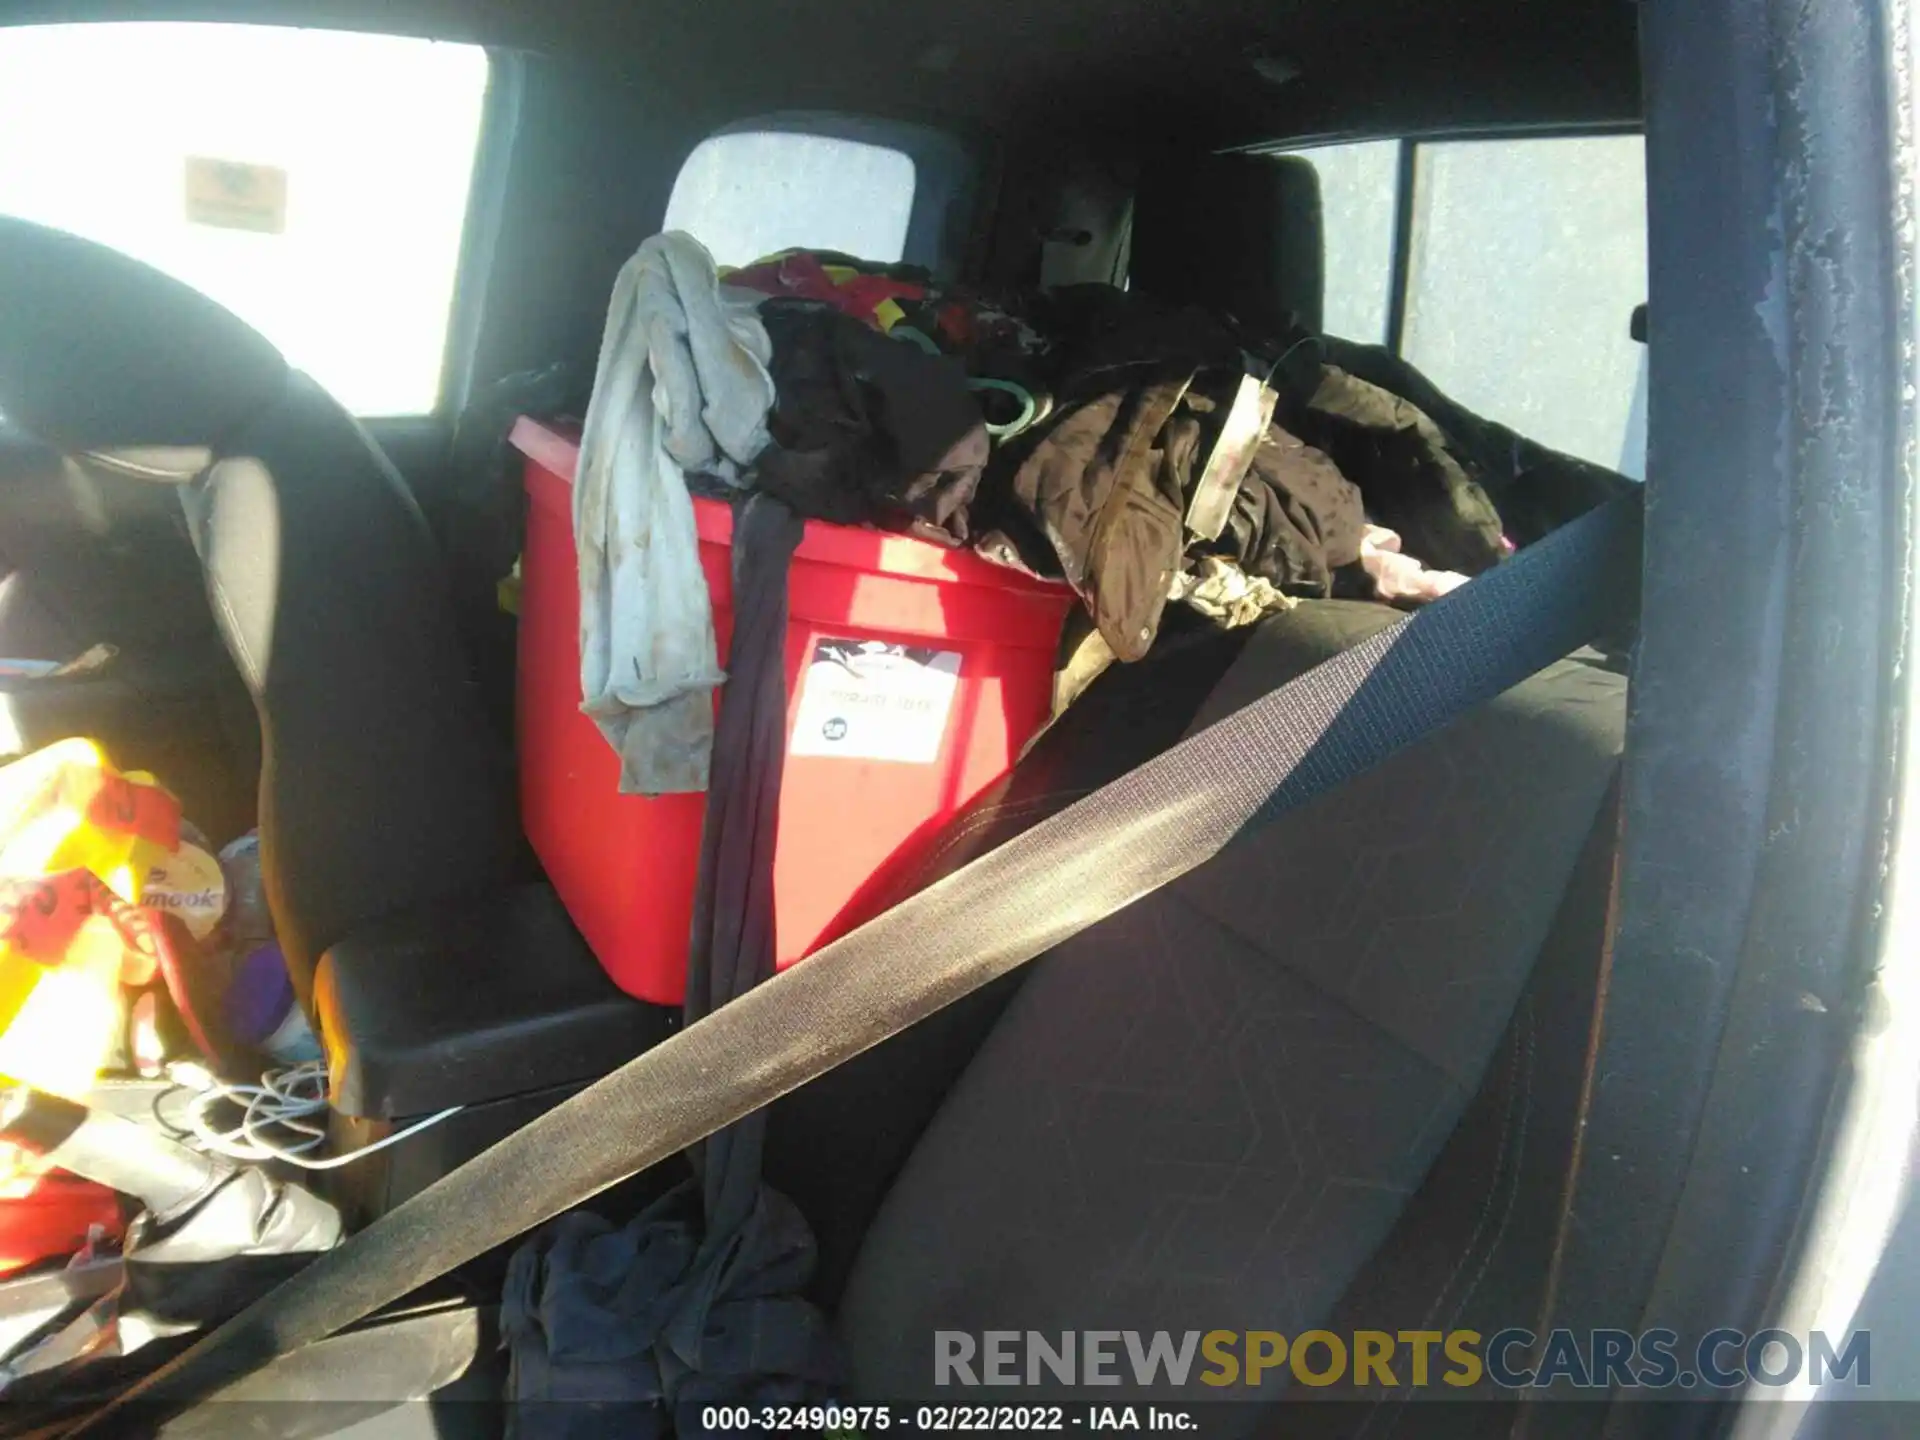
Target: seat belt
1069	872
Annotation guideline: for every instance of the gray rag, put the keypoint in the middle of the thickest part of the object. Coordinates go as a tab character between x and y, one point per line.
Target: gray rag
681	386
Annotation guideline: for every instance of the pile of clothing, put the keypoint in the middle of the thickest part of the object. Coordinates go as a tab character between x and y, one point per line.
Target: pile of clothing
1146	454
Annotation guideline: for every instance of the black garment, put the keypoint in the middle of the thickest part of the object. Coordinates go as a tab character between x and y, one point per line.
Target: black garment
1108	480
868	430
1099	491
1536	489
1108	494
1296	519
1410	478
1096	327
732	946
699	1300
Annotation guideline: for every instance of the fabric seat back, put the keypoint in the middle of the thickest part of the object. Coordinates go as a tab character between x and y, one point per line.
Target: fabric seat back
382	785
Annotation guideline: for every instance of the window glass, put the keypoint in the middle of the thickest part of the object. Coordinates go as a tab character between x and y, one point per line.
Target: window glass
315	183
1356	204
750	193
1528	257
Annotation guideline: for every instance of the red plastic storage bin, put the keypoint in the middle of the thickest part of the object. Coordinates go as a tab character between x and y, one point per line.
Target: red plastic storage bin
874	760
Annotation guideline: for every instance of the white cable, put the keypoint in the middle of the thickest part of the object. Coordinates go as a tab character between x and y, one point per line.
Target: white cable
284	1100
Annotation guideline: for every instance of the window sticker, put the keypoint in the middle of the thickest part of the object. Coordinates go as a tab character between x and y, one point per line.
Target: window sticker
230	195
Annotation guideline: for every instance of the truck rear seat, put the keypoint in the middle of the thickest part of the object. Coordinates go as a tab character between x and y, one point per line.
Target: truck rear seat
1209	1111
1268	1095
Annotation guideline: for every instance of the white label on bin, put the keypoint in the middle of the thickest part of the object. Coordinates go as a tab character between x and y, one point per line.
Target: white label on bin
867	700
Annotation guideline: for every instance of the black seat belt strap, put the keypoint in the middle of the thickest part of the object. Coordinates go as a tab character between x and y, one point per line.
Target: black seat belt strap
1067	873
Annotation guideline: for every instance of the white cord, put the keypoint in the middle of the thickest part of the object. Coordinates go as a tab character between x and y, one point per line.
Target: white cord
284	1100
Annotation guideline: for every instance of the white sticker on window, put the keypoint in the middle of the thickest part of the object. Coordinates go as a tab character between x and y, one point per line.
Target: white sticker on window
231	196
867	700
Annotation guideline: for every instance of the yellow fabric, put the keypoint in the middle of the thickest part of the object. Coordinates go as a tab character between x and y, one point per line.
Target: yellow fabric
77	838
48	821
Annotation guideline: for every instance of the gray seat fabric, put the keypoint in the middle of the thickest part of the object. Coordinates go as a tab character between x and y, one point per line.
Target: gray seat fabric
1208	1111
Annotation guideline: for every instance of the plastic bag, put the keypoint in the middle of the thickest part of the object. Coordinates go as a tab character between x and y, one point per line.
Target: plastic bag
77	841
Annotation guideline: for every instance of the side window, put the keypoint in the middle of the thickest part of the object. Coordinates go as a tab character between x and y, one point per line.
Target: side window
1527	259
1357	214
748	193
313	182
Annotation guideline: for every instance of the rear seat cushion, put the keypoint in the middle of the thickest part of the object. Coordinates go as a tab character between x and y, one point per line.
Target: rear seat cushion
1206	1112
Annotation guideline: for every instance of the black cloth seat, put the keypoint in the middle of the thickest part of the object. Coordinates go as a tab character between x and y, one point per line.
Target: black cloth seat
1209	1111
1242	232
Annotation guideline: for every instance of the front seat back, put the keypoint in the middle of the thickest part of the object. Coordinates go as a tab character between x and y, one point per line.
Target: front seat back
382	786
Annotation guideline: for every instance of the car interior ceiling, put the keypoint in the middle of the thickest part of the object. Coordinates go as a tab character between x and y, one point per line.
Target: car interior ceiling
1225	72
1302	1118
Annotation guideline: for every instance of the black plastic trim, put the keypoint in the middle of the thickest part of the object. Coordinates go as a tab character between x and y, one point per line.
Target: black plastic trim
480	236
1406	179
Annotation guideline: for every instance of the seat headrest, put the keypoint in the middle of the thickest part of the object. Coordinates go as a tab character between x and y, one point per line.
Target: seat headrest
1239	233
101	352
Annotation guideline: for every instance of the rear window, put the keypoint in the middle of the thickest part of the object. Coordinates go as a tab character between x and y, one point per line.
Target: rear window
1528	258
1525	260
313	182
748	193
1357	197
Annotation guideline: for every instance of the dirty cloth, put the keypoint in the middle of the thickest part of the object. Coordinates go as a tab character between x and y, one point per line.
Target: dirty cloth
1535	490
868	430
1222	591
858	288
1296	518
682	385
631	1331
1102	490
985	329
